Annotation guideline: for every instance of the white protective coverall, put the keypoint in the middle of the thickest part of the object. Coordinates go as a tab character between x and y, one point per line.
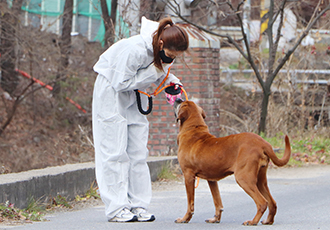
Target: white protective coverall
120	131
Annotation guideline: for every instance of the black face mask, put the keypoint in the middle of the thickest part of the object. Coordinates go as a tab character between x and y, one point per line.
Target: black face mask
165	58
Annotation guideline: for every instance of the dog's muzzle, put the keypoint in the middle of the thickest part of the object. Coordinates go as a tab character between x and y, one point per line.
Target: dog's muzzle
176	106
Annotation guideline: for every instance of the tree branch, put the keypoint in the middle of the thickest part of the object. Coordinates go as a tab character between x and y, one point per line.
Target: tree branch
11	114
249	57
273	47
20	98
304	34
279	29
229	38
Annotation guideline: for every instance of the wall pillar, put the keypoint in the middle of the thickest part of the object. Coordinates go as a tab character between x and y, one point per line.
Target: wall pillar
200	75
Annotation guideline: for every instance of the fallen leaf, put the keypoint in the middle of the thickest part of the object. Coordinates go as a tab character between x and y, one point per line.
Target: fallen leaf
320	151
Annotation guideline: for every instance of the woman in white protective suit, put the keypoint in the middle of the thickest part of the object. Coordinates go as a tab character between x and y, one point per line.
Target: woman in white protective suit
120	131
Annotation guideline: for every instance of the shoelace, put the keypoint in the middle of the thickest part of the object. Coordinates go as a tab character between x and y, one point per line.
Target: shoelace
125	211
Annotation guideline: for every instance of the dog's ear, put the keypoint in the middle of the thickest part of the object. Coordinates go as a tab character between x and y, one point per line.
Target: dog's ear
202	112
182	116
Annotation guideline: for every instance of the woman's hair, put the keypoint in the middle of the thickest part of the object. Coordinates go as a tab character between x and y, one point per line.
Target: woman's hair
174	38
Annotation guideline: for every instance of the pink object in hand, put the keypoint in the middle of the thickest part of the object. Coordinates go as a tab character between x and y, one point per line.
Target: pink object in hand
172	93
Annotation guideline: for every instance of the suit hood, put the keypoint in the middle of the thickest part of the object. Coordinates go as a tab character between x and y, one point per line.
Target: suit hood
148	27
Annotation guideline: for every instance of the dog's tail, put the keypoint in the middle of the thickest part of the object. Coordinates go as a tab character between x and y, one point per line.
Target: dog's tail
286	157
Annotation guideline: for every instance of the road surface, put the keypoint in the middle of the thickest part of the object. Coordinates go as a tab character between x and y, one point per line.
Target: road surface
302	195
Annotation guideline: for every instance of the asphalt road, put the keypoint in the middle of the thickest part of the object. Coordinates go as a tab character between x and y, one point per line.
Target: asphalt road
302	196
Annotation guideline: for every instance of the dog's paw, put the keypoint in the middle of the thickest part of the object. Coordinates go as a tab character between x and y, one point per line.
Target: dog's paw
265	222
212	220
249	223
181	220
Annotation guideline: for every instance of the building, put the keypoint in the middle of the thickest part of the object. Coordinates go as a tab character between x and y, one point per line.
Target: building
87	19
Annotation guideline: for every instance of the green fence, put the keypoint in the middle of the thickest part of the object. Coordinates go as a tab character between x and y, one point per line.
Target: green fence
87	20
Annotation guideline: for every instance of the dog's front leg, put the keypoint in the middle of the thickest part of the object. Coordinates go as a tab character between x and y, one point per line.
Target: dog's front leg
217	202
189	178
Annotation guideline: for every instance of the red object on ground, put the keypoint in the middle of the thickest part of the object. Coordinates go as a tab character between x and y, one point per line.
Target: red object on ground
24	74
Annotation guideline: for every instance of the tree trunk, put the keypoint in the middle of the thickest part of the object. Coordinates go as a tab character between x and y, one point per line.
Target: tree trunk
109	21
149	9
65	45
9	25
106	21
264	110
114	4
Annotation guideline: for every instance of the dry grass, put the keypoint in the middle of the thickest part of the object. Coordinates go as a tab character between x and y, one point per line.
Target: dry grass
46	131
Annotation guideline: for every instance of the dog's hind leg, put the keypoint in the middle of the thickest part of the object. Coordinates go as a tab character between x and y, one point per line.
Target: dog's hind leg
263	188
217	202
247	179
189	178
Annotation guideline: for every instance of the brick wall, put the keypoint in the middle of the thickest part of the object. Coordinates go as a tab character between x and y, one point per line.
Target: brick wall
200	77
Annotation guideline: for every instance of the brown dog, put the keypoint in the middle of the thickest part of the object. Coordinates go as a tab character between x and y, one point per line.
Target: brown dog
245	155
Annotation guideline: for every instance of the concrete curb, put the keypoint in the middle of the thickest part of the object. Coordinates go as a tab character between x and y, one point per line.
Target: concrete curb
68	181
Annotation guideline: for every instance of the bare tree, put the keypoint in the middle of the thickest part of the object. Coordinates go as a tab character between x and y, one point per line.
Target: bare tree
109	21
149	8
9	26
11	110
65	44
275	12
39	58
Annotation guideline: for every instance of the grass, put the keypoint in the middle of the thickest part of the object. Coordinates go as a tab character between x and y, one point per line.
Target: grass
35	209
8	211
307	149
61	201
233	66
34	212
91	193
167	173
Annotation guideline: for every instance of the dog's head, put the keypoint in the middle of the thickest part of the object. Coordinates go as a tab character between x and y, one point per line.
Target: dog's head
185	109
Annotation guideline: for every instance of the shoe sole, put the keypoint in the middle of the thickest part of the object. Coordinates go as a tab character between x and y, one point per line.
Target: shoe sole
124	221
152	218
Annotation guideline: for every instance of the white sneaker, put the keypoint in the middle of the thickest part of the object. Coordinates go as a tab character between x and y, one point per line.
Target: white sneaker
143	215
124	215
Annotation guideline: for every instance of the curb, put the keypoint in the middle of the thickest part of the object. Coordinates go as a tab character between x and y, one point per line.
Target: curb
67	180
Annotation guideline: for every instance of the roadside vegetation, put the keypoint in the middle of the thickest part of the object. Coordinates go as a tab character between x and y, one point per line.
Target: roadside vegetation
36	210
307	149
169	172
12	216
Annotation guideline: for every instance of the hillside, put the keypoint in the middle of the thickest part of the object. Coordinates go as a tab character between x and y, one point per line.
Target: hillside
46	130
